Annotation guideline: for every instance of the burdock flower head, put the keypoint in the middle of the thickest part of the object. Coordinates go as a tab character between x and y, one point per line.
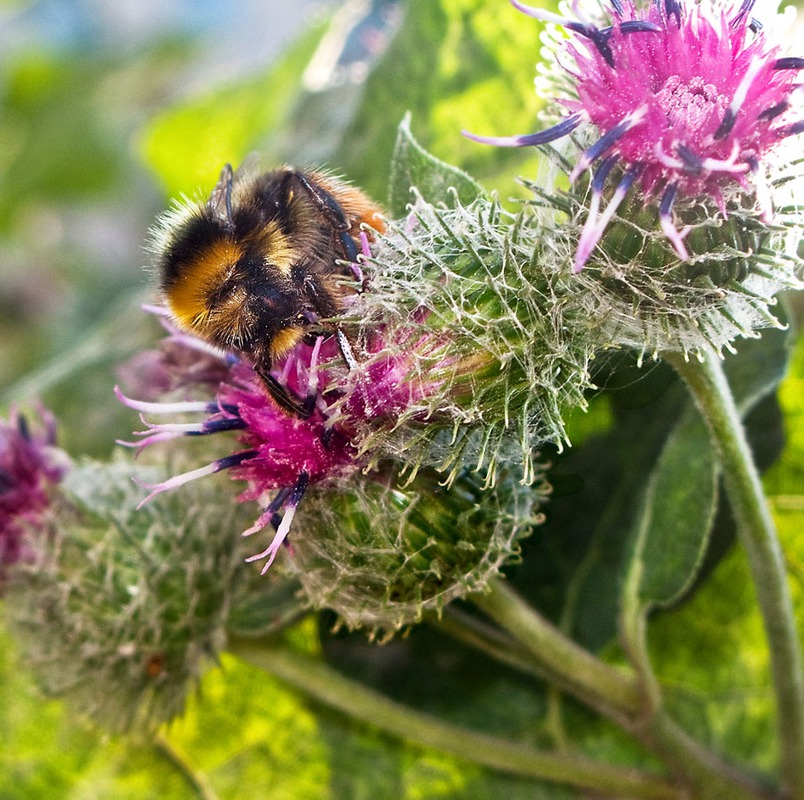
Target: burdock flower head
378	550
134	601
688	100
685	112
30	466
281	453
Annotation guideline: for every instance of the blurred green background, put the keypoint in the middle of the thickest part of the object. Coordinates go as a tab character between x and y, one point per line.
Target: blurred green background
108	108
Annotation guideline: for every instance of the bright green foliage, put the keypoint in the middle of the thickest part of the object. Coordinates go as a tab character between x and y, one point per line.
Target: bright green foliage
453	65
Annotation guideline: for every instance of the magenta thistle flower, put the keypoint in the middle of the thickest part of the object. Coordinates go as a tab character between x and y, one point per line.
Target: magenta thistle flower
687	100
29	467
281	454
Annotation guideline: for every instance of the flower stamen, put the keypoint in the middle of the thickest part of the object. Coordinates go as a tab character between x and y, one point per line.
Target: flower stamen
566	126
227	462
607	141
740	94
593	229
190	407
790	62
290	499
666	221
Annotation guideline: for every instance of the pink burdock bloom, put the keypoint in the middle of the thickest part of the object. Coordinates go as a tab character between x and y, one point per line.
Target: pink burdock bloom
280	453
29	467
687	99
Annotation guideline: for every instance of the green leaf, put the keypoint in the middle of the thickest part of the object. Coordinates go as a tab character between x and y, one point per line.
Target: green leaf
711	660
673	530
679	506
454	65
436	181
575	569
683	502
759	366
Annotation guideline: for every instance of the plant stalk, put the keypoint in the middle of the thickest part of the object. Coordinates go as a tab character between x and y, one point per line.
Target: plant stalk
708	385
619	696
323	683
195	779
608	689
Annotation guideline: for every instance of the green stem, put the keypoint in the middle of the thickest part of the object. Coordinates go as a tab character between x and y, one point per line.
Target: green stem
617	695
195	780
710	777
318	680
756	529
608	689
488	639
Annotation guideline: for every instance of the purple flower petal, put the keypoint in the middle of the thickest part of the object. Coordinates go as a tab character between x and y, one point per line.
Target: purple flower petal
30	465
595	226
666	221
530	139
698	101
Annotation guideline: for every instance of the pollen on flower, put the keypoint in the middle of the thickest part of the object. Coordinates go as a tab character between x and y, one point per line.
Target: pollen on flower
688	100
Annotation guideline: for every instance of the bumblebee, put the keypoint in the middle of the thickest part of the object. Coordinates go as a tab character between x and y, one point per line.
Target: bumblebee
265	264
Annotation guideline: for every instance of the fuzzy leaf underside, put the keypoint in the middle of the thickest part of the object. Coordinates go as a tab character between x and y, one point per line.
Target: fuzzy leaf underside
673	530
436	181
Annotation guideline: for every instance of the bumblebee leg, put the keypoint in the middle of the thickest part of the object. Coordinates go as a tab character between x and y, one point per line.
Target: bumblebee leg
322	305
332	210
325	202
283	398
345	346
349	247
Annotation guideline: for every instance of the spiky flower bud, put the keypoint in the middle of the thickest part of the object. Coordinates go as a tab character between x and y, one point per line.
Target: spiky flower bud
131	601
475	325
382	555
